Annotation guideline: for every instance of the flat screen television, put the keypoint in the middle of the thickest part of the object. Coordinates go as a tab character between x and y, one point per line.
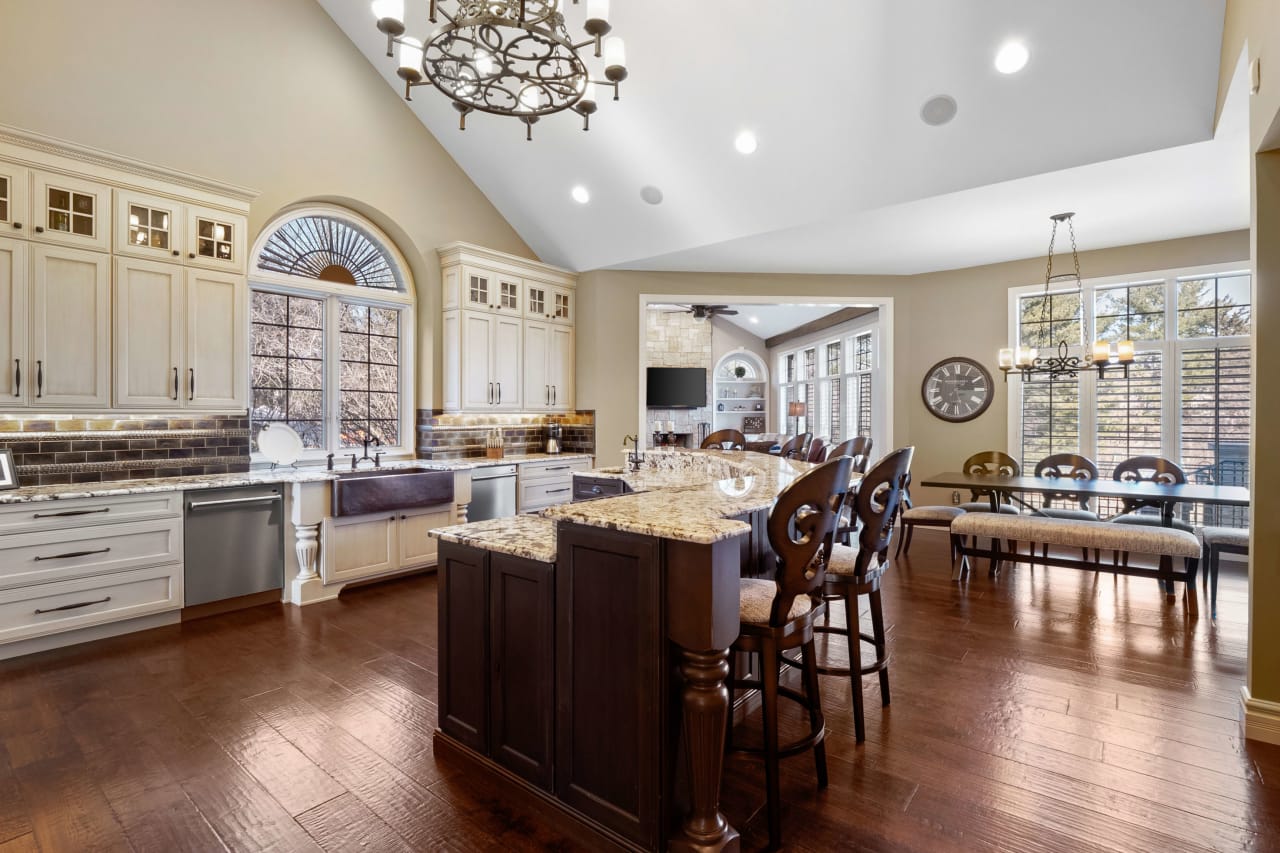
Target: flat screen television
676	388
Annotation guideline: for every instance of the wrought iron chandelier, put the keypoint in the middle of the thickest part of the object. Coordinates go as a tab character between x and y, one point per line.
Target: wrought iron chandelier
506	57
1027	361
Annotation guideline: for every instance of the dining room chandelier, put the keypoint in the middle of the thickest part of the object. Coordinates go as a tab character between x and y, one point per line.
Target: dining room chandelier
1100	356
506	57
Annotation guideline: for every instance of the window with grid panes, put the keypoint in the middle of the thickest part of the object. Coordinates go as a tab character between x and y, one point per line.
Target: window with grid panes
862	366
325	342
833	422
1187	396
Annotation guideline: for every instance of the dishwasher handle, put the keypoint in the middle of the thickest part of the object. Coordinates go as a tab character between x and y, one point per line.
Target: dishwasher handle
232	501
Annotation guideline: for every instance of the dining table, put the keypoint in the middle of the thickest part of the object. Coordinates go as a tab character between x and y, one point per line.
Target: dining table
1003	488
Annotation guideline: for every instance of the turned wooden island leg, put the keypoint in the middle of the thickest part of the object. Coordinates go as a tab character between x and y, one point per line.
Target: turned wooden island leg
705	703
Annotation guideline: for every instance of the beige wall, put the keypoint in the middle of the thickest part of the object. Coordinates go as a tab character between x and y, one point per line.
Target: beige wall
960	312
264	93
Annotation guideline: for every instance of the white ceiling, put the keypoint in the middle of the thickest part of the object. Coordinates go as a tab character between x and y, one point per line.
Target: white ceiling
847	178
773	320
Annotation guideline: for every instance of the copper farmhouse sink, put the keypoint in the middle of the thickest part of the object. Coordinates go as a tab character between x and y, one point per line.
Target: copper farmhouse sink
364	492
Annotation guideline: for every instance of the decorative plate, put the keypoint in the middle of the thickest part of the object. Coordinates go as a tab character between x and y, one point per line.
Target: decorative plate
279	444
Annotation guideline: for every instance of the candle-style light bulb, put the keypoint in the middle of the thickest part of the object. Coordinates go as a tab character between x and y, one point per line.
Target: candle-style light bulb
529	99
1101	352
1125	351
597	10
1006	358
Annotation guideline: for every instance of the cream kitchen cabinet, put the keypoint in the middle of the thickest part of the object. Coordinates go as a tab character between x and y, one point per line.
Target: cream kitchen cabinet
70	343
15	210
548	367
179	337
487	374
70	211
215	239
508	332
14	358
148	226
365	546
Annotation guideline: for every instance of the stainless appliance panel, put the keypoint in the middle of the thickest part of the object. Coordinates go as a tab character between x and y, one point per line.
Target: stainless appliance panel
233	542
493	493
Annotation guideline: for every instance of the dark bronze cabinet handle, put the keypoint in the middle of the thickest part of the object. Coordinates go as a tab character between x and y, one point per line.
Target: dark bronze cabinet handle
70	512
176	253
39	378
175	383
75	606
70	554
17	377
560	468
39	229
191	255
490	393
191	389
556	491
554	394
17	226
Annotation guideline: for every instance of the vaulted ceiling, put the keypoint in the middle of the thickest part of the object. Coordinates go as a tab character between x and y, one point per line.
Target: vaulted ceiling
1113	117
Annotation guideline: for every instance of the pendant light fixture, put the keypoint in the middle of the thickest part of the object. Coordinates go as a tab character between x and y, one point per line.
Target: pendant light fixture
506	57
1027	361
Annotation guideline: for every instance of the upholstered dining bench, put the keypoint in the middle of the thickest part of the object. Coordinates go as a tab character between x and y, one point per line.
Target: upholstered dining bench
1167	543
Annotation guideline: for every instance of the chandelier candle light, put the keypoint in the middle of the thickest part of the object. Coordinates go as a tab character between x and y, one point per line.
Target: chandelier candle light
506	57
1027	360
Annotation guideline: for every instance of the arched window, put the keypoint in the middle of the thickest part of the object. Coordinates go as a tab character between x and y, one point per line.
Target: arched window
332	332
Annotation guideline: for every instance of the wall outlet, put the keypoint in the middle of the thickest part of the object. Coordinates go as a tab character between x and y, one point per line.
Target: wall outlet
955	499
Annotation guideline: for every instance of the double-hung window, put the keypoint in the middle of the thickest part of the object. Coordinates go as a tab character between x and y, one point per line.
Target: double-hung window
331	311
1187	394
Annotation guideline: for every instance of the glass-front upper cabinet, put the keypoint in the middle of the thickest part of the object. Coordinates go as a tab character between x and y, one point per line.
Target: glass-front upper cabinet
148	226
71	211
214	239
509	294
478	289
15	219
560	305
536	299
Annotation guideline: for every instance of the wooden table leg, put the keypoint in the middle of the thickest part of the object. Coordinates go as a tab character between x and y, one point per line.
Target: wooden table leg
705	702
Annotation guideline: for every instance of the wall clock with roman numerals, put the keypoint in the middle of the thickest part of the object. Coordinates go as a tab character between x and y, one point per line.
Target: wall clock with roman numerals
957	389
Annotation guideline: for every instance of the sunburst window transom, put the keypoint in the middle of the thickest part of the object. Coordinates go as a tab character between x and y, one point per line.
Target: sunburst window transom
327	248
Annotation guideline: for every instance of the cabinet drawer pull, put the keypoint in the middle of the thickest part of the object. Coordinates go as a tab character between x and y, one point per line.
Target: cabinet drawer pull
553	395
499	384
17	377
70	512
175	383
191	392
39	378
74	606
557	491
234	501
560	468
17	226
39	229
70	554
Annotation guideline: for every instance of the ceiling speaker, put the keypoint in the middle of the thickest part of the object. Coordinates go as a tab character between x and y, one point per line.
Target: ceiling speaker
938	110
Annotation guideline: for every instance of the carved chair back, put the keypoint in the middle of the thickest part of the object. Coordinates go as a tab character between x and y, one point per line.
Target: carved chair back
1066	466
1148	469
795	446
859	448
816	452
876	505
990	463
718	439
801	529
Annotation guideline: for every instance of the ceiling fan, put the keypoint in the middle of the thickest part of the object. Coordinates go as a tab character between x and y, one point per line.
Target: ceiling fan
702	312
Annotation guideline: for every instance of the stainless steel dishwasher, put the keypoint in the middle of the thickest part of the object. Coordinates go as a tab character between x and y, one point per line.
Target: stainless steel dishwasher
493	492
234	542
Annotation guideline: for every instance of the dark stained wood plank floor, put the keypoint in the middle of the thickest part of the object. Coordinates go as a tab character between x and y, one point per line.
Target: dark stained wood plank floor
1046	710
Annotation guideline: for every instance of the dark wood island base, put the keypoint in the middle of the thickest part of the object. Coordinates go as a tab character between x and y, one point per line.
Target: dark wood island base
594	686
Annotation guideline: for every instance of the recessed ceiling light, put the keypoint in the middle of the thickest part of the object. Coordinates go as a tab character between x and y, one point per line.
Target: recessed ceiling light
938	110
651	194
755	319
1012	57
745	142
580	194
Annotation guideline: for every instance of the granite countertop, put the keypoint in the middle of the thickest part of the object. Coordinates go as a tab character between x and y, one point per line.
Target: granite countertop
528	536
307	474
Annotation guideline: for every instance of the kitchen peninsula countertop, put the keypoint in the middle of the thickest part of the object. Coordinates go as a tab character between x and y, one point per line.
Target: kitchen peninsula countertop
528	536
73	491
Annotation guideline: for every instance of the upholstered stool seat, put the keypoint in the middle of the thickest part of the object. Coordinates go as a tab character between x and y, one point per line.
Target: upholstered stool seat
844	562
985	506
1218	541
756	599
919	514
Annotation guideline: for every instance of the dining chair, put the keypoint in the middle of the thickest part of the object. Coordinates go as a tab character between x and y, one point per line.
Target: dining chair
989	463
1219	541
778	615
816	452
858	447
718	439
1147	469
911	517
1067	466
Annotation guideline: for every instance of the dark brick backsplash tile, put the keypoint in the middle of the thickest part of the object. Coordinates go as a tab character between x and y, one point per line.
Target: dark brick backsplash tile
69	458
155	454
127	455
87	477
53	479
115	444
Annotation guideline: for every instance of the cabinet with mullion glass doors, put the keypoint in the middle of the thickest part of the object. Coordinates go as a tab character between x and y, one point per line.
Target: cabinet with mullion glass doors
70	211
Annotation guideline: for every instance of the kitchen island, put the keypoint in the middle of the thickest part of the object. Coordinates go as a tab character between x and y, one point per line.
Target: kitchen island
583	653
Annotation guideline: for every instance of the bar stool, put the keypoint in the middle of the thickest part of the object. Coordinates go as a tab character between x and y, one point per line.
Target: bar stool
777	615
856	570
718	439
1218	541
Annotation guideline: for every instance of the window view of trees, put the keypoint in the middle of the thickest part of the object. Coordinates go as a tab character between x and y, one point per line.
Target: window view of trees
287	365
1186	397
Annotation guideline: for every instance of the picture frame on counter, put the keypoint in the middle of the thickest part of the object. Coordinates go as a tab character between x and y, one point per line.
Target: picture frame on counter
8	471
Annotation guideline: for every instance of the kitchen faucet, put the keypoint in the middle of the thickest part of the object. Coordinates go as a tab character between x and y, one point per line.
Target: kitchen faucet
634	457
376	458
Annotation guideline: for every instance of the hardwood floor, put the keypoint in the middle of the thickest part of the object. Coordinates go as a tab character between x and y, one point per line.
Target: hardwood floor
1045	710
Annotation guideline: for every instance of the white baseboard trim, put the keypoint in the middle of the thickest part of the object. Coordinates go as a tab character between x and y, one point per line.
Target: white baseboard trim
1260	719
